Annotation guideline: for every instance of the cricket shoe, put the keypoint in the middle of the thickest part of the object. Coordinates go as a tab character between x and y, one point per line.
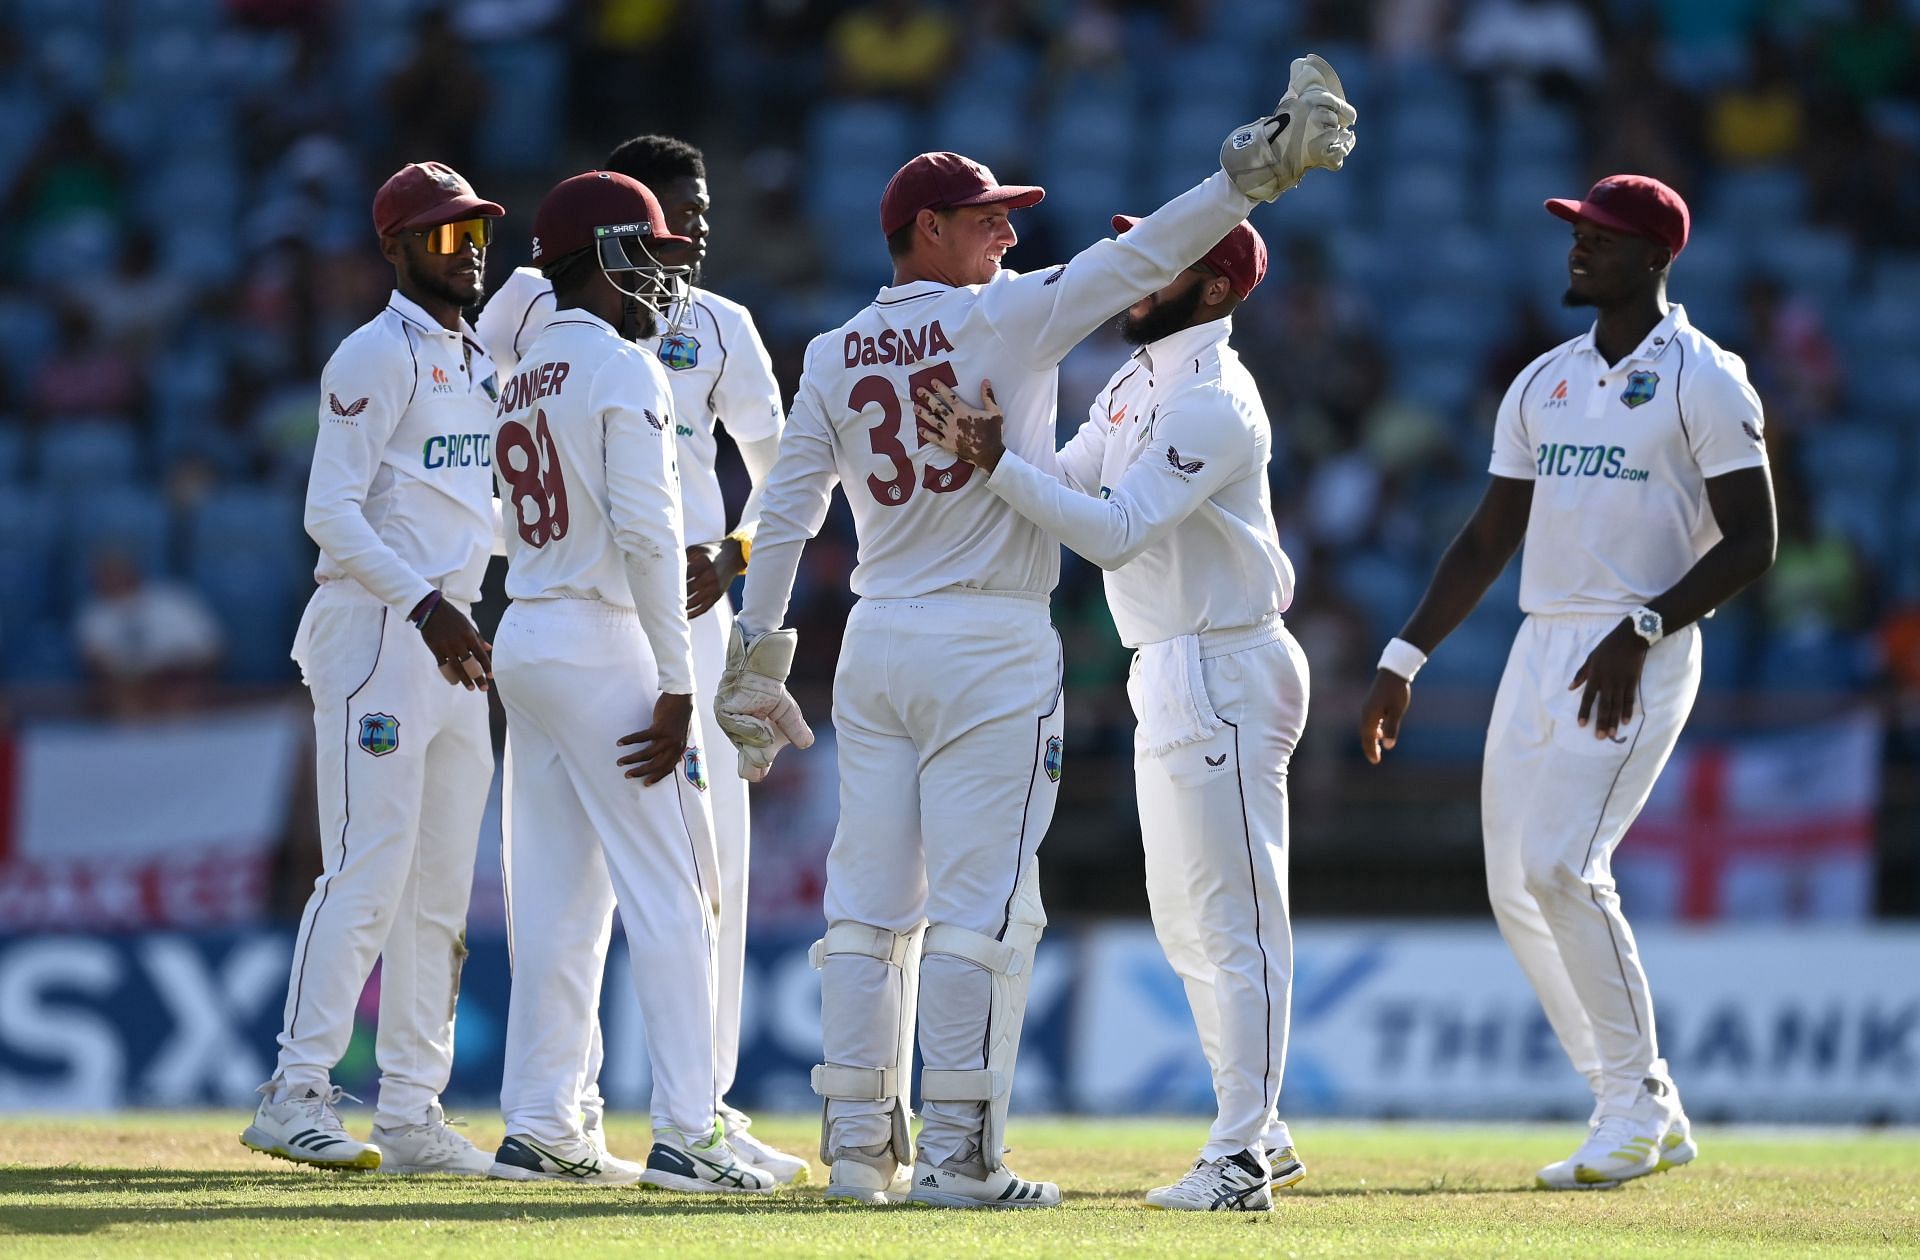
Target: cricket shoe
301	1125
1621	1146
709	1167
1678	1147
524	1158
1287	1168
430	1147
940	1187
788	1170
870	1175
1231	1183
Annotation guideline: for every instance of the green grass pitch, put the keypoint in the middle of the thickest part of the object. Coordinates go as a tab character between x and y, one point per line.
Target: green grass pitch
181	1185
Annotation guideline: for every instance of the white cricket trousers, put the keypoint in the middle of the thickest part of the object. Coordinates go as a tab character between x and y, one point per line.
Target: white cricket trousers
944	708
727	794
1213	821
575	676
1554	802
403	762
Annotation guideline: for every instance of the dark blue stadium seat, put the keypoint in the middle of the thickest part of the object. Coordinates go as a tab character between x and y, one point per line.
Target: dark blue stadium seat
76	455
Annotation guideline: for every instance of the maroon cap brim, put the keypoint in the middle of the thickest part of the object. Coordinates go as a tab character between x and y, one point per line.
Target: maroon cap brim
1012	196
452	212
1578	211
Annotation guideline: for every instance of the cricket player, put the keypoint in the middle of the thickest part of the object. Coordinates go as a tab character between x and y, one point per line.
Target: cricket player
1165	487
401	504
720	374
947	696
1630	461
596	637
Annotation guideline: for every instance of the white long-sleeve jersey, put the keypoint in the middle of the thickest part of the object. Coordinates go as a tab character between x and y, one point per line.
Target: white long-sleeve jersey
925	522
716	364
585	457
1165	487
400	498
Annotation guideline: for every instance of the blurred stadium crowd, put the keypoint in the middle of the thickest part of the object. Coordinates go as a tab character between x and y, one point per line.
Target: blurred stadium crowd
185	185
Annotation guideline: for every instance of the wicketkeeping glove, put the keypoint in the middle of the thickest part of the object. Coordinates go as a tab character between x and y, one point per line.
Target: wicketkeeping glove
753	705
1312	126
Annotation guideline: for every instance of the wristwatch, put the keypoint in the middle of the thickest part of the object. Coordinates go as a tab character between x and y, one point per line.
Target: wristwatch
1646	624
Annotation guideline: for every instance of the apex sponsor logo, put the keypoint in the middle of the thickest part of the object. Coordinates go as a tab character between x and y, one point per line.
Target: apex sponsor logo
1558	398
441	383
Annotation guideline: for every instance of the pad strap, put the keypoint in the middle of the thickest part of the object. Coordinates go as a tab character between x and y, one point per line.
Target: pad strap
996	956
855	1084
959	1085
864	939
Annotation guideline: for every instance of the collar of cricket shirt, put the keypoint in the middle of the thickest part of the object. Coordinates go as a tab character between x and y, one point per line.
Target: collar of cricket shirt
1652	346
1164	357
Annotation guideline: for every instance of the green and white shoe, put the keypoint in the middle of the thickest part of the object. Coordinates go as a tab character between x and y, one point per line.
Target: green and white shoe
709	1167
524	1158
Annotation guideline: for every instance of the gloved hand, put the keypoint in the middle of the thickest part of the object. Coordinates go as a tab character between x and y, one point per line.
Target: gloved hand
752	704
1312	126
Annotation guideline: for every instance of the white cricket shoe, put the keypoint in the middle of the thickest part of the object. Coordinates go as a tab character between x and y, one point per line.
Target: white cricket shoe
430	1147
1678	1147
1621	1145
1231	1183
304	1127
851	1180
1000	1188
1285	1166
709	1167
524	1158
788	1170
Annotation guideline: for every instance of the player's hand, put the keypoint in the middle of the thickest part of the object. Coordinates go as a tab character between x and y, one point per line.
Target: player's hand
465	659
752	704
1611	677
953	424
1381	713
1311	127
711	568
661	745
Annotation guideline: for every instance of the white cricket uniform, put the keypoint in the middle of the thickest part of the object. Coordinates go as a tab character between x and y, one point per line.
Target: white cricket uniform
1165	487
597	630
946	701
1619	456
720	373
400	502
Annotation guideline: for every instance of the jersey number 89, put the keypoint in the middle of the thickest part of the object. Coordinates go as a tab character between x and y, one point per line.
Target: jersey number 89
531	468
884	437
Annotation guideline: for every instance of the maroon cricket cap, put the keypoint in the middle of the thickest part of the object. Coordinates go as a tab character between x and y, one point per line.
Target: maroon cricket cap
426	194
1240	255
1637	204
938	181
574	208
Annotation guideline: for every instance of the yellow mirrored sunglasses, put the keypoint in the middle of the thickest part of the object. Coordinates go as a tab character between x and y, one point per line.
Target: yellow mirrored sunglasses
445	238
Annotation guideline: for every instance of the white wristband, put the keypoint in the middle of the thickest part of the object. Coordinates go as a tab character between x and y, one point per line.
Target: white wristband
1402	658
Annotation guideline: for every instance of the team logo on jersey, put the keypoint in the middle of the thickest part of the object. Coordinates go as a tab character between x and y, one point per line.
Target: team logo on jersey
1558	398
1640	387
1056	753
1753	433
679	351
441	385
346	410
696	768
492	386
379	733
1183	468
658	422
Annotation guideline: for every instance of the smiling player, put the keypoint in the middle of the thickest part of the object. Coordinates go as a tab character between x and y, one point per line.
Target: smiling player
1630	461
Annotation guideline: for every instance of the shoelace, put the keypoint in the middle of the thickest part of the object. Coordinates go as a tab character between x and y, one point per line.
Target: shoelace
320	1108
